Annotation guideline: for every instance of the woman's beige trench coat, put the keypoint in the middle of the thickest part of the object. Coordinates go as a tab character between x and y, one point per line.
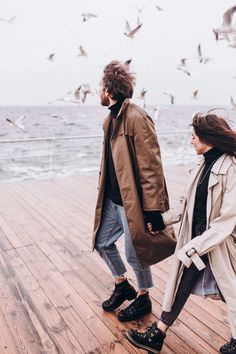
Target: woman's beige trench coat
139	177
219	239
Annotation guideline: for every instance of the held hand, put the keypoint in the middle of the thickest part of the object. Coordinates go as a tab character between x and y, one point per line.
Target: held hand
173	215
149	227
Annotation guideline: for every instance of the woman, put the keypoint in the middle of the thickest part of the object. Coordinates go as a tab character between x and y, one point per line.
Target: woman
205	258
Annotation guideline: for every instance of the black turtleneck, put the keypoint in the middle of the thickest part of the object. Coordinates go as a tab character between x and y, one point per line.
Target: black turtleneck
211	156
112	188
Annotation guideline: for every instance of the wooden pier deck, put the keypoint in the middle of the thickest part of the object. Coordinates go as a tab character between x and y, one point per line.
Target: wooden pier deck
52	286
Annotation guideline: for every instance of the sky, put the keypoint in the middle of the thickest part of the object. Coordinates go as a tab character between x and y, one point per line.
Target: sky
44	27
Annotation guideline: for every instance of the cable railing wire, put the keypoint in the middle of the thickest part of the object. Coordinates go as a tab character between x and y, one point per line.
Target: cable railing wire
56	155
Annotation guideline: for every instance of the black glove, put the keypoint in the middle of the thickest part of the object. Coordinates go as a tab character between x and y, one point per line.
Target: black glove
155	219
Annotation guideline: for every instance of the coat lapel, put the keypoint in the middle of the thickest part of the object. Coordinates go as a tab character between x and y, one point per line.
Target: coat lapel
106	125
193	176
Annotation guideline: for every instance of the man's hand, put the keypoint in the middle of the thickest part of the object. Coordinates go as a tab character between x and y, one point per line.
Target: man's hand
153	221
149	227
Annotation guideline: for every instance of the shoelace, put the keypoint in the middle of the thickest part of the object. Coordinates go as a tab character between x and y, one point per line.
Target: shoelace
231	344
131	307
149	331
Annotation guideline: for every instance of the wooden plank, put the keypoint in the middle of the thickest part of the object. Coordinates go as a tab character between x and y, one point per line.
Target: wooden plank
7	344
59	270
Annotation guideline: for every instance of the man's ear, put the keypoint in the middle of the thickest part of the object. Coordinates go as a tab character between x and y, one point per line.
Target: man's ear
106	93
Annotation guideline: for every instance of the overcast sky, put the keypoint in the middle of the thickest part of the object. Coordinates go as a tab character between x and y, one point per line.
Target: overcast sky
42	27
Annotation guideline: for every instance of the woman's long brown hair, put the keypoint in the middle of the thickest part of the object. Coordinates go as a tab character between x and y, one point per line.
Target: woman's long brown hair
215	131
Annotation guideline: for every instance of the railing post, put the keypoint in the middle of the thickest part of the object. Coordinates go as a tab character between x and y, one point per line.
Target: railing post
51	158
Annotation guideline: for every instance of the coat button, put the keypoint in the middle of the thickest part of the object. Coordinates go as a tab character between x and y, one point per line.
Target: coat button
100	173
234	240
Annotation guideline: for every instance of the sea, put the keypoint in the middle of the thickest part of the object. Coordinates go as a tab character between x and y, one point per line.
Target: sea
61	141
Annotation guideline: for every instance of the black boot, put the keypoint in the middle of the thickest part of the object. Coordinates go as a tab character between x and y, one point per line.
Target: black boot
140	307
229	348
123	291
152	339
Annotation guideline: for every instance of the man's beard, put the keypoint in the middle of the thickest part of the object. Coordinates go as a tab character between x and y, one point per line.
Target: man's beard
105	101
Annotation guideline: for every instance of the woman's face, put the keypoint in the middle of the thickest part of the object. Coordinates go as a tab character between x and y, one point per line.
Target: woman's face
199	146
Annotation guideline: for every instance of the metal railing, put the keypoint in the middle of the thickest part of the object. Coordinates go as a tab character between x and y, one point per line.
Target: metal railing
62	156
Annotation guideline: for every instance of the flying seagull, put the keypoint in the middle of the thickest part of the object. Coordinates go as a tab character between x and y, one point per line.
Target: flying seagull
77	93
142	94
11	20
226	26
82	52
172	98
85	91
182	62
51	57
158	8
233	104
131	32
17	122
195	95
127	63
87	16
185	71
200	57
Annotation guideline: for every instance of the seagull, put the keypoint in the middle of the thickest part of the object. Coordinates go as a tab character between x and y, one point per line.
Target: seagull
11	20
158	8
85	92
127	63
182	62
221	36
51	57
77	93
82	52
185	71
17	122
233	104
226	26
200	57
87	16
131	32
142	94
195	95
172	98
140	9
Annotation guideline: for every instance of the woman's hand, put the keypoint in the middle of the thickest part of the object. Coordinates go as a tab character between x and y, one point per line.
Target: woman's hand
174	215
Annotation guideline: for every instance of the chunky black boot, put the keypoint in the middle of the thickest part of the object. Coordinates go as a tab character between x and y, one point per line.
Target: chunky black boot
123	291
152	339
141	306
229	348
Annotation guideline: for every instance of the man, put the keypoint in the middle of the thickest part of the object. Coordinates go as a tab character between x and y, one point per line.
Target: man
132	193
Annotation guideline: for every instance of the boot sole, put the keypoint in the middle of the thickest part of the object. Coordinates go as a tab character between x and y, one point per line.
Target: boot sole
138	345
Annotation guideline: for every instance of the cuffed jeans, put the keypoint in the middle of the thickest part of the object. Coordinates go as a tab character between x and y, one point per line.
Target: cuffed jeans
113	225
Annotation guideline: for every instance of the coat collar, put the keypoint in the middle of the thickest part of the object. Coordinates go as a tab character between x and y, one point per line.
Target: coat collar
119	126
222	165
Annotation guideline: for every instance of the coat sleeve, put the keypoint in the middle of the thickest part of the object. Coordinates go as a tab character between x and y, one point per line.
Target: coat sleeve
149	163
221	227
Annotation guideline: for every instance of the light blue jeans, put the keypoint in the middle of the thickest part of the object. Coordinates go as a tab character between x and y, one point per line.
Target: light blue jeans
113	225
